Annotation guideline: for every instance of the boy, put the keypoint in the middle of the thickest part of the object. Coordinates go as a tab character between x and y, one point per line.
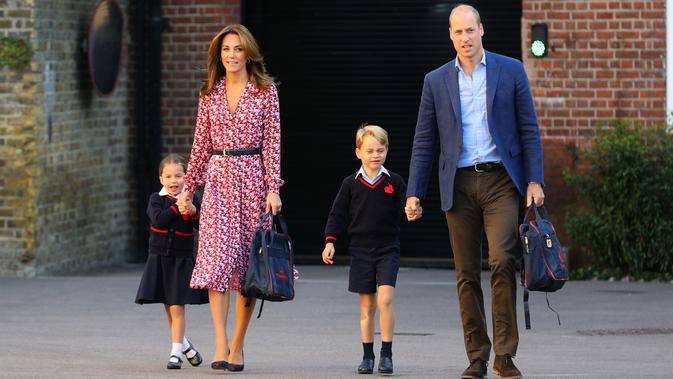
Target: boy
369	207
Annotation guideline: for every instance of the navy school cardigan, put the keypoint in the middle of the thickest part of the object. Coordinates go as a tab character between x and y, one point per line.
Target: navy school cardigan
171	233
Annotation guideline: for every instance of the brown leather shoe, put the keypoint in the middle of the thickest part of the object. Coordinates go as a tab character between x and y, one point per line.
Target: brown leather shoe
504	366
477	370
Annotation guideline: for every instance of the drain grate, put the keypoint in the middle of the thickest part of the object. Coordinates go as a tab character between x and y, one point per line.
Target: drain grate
411	334
625	332
623	292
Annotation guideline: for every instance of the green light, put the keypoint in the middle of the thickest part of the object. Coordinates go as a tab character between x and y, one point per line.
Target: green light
538	48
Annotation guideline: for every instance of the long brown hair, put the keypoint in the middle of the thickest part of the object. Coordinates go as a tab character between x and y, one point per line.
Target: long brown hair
254	66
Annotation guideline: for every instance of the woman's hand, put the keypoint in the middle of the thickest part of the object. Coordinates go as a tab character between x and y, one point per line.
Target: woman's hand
184	197
273	203
328	253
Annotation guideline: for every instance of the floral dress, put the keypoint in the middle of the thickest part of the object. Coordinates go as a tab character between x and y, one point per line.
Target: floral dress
235	191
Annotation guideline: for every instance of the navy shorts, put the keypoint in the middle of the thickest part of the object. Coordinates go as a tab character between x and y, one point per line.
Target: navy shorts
373	267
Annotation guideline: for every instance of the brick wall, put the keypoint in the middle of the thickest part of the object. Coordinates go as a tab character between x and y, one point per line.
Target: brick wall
85	180
192	24
606	60
17	149
67	181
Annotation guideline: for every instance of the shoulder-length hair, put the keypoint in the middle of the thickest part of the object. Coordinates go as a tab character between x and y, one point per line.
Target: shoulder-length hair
254	65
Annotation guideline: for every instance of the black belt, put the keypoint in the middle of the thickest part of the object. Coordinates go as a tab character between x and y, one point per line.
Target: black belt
483	167
254	151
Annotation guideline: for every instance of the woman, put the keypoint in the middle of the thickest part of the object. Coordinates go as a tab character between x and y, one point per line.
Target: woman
236	155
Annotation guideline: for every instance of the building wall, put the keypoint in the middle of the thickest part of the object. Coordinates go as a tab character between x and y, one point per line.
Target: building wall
67	188
192	24
606	61
18	149
84	180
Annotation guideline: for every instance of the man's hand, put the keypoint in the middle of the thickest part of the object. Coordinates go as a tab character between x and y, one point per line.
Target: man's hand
413	208
328	253
534	193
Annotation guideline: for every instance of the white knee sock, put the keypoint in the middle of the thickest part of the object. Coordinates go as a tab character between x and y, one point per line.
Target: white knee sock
176	350
186	345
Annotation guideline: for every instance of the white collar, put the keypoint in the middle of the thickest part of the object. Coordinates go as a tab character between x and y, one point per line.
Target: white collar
164	192
362	172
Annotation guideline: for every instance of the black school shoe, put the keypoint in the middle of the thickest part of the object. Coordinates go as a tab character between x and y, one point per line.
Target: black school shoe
196	359
174	365
386	365
366	366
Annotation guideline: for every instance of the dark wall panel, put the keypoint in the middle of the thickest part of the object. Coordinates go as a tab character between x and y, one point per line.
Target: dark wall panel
345	62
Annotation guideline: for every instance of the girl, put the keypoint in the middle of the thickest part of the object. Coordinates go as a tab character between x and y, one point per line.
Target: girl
171	257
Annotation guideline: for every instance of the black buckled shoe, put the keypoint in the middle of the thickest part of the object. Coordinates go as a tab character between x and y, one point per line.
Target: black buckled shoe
477	370
366	366
386	365
504	366
196	359
174	365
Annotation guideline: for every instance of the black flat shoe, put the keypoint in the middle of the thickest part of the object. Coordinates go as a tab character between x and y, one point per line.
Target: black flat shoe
196	359
386	365
174	365
219	365
366	366
237	367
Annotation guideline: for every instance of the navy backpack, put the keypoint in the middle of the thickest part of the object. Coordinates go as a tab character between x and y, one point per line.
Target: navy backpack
544	259
270	274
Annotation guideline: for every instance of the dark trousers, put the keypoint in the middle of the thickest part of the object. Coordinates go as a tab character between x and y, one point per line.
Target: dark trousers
486	201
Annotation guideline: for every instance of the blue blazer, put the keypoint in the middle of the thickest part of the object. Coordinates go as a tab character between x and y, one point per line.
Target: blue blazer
511	121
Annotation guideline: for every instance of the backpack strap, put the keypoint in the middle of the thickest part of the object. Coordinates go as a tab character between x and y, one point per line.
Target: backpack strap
261	306
526	308
248	302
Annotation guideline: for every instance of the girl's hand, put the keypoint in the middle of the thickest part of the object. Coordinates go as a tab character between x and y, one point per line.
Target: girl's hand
328	253
273	203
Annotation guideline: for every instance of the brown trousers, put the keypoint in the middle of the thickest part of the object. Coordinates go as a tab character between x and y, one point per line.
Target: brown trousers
486	201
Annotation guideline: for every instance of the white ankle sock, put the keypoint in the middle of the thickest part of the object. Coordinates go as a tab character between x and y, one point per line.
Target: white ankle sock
176	350
186	345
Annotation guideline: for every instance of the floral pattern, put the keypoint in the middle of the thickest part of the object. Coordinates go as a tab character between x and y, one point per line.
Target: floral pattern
234	197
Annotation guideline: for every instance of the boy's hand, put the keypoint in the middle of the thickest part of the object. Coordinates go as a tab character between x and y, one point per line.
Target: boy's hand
328	253
413	208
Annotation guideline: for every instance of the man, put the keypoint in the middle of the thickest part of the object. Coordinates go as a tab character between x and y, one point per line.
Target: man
480	108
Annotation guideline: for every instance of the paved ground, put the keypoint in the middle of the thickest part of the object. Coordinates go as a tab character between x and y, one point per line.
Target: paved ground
88	327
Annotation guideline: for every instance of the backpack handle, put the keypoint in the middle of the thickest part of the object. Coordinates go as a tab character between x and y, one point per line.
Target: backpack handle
275	219
540	213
